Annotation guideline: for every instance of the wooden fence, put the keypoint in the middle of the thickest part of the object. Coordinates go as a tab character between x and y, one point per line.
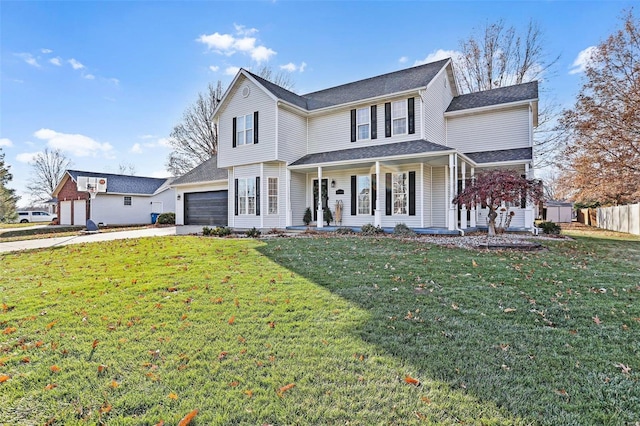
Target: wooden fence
617	218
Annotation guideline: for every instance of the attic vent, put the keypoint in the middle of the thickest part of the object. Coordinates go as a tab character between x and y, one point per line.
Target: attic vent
245	91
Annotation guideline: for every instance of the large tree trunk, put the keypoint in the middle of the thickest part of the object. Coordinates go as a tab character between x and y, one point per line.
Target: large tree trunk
492	221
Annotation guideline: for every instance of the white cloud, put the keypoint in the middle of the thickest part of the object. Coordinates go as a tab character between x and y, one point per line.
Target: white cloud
27	157
76	144
438	55
56	61
214	68
403	59
166	142
230	44
291	67
146	137
28	58
231	70
89	76
45	51
582	60
75	64
115	81
136	148
5	142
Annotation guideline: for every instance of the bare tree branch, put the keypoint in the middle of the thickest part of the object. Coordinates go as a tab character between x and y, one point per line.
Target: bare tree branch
46	172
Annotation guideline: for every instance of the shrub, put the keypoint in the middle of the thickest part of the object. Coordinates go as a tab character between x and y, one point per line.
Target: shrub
307	216
328	216
369	229
550	228
206	231
219	231
167	219
344	231
403	230
253	233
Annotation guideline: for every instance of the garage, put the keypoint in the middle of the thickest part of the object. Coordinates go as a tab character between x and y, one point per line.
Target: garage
206	208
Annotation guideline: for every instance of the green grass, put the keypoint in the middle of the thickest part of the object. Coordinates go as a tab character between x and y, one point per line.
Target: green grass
9	234
493	337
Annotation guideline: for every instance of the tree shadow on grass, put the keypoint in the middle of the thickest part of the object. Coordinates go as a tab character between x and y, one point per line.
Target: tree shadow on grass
490	332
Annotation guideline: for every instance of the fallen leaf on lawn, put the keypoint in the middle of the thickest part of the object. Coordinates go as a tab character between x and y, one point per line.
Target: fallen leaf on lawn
272	324
51	324
4	378
249	393
222	355
232	320
625	368
285	388
597	320
412	381
106	407
51	386
216	300
54	368
160	423
426	399
102	368
455	307
187	419
236	302
9	330
173	396
25	360
114	384
172	289
474	263
234	384
562	392
509	310
94	344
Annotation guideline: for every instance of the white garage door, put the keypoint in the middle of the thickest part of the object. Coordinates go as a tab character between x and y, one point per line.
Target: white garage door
65	213
79	212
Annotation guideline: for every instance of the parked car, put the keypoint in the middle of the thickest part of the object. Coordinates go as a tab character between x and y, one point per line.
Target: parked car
35	216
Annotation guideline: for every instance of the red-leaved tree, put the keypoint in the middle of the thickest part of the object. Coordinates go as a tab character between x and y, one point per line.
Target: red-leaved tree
495	187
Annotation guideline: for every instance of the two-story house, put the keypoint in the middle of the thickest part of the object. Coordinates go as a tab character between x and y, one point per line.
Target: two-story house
390	149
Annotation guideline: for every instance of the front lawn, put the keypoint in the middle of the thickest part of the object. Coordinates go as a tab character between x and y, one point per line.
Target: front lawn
320	331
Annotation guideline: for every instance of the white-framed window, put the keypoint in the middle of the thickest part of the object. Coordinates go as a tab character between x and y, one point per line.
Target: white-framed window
400	193
364	195
399	117
244	129
247	196
363	121
127	200
272	190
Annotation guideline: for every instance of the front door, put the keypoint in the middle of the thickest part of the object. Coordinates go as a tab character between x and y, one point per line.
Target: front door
325	197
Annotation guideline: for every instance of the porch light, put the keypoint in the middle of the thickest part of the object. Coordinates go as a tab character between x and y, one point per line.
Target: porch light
179	197
333	183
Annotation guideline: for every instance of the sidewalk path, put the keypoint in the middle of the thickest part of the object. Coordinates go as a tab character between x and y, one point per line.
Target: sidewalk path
85	238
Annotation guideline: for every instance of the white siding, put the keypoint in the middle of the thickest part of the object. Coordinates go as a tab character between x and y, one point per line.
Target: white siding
236	105
244	220
279	220
489	131
436	100
292	136
439	197
109	209
298	200
428	195
332	131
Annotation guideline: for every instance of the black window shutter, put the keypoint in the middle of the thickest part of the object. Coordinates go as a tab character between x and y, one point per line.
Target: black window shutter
255	127
412	115
353	125
354	195
374	193
374	122
387	189
412	193
257	195
235	192
234	135
387	120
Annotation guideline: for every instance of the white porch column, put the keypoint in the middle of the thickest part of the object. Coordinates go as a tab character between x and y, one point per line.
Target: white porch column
529	209
473	205
320	221
377	218
289	219
451	217
463	211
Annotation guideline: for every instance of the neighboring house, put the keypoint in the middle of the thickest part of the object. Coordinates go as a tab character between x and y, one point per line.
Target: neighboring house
202	194
127	200
391	149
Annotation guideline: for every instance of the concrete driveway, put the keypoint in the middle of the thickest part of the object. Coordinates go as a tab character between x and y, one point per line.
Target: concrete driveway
85	238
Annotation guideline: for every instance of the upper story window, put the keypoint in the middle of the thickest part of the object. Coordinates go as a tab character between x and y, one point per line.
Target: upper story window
399	117
244	129
362	121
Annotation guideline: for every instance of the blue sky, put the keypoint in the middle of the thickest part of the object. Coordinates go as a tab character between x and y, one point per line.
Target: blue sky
106	81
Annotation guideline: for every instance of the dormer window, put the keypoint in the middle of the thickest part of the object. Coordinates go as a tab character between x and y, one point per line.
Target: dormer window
244	129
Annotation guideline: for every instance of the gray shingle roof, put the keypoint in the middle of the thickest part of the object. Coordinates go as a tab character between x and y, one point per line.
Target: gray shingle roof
502	95
122	184
205	172
394	82
501	155
366	152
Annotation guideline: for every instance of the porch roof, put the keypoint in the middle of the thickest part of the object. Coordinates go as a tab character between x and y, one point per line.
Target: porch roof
501	156
391	150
